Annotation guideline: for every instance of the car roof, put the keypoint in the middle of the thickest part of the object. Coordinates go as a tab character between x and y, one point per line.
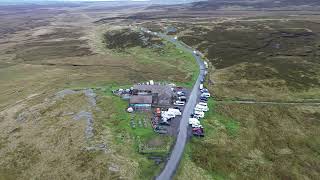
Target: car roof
202	103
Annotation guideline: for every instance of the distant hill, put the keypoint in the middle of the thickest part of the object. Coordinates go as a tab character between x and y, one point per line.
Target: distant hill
109	2
257	4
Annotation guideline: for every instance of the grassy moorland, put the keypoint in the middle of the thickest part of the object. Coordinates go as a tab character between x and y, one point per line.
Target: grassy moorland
271	58
255	141
260	59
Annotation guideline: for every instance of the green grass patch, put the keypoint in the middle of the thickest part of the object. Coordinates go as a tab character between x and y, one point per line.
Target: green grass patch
232	126
199	151
169	56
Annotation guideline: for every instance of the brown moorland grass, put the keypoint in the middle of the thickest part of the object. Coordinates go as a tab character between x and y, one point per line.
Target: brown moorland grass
262	58
272	142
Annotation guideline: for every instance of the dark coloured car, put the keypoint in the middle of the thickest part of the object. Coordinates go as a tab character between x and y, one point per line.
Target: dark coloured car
204	99
164	123
183	98
204	90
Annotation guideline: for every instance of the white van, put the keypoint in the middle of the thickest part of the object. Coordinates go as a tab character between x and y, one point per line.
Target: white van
201	86
168	114
175	111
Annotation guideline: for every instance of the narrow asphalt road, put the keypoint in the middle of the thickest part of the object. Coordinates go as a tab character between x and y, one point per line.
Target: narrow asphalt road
177	152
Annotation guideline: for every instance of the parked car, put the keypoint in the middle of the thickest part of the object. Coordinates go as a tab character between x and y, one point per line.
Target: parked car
203	99
181	93
203	103
179	103
193	115
164	123
199	114
194	122
203	108
197	126
167	114
176	112
207	95
182	98
200	108
204	90
198	131
201	86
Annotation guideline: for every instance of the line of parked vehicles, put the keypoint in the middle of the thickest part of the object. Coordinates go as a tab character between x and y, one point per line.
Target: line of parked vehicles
199	112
